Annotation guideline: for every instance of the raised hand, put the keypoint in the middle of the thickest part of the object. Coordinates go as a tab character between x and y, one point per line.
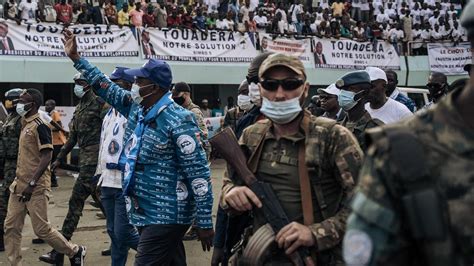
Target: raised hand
70	45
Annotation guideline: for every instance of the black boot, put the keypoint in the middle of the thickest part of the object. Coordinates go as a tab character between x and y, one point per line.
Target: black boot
53	257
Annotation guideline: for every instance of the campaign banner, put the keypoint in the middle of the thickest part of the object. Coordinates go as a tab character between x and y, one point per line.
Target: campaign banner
448	58
214	125
349	54
290	46
44	39
198	46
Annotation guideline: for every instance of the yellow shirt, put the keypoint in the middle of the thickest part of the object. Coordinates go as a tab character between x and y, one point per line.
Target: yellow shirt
337	8
123	18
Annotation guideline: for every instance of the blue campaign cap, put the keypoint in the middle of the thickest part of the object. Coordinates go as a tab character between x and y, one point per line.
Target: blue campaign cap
155	70
352	78
119	73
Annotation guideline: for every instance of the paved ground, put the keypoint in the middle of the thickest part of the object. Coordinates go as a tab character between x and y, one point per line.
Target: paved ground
91	231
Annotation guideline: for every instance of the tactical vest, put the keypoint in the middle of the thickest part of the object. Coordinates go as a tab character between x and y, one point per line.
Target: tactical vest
10	136
425	208
325	187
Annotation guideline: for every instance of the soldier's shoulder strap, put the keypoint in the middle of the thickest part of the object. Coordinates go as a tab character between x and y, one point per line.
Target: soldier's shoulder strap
259	129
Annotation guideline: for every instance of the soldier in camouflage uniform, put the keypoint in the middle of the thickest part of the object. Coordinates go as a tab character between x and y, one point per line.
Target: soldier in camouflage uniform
85	132
244	105
9	136
355	87
415	198
277	145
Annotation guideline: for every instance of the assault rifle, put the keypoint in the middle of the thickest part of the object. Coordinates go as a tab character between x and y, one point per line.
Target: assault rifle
228	147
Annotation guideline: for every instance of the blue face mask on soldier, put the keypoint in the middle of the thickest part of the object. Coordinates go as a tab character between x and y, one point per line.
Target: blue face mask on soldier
281	112
20	109
346	99
135	93
79	90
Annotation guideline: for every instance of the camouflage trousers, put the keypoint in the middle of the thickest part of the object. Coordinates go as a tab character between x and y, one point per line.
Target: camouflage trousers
4	196
85	186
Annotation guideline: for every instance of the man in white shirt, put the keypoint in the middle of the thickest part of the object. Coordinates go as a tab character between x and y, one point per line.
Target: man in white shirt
28	10
434	20
260	19
122	234
294	10
436	34
382	17
379	105
416	14
245	11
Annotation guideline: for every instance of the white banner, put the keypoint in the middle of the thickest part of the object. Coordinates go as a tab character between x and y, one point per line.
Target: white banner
214	125
297	48
349	54
449	59
198	46
44	39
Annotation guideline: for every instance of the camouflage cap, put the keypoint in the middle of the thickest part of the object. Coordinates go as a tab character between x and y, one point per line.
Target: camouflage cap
467	19
284	60
352	78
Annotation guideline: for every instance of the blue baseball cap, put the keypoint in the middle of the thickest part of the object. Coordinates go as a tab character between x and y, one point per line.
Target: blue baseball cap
155	70
119	73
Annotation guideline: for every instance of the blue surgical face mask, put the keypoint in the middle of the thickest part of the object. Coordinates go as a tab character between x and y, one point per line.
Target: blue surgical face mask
346	99
21	110
79	91
281	112
135	93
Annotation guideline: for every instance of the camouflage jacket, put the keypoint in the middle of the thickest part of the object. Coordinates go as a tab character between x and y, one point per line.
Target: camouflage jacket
9	139
358	128
232	116
404	217
199	117
333	159
85	129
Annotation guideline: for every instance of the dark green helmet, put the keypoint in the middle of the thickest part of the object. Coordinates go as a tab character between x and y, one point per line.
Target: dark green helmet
467	19
13	94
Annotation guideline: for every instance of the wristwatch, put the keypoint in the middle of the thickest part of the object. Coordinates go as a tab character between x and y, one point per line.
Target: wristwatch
32	183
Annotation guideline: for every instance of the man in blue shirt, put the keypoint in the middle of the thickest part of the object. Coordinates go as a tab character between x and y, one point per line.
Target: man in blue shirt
394	93
166	173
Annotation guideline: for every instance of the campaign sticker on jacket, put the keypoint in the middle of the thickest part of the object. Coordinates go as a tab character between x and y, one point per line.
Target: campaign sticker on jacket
186	144
200	186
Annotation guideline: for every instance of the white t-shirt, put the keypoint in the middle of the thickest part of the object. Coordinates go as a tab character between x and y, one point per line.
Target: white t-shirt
294	10
364	5
28	10
416	14
381	18
45	116
391	112
222	24
260	20
111	145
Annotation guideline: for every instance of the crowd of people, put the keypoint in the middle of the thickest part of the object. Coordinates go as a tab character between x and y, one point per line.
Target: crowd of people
361	20
293	198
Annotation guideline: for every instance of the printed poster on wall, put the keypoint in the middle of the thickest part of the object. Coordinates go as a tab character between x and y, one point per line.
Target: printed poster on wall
198	46
298	48
349	54
449	59
44	39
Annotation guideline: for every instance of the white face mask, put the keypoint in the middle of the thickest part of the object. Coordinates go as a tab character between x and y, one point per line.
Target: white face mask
135	93
243	101
281	112
20	109
79	91
254	94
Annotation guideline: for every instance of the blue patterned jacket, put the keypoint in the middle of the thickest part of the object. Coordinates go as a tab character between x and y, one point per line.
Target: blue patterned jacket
172	176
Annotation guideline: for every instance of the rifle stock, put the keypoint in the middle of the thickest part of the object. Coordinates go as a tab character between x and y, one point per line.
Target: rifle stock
228	147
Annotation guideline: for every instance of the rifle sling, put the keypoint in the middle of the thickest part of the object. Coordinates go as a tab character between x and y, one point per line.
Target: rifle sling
305	187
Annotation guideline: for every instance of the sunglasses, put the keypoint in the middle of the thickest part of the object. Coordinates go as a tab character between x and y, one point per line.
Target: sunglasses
289	84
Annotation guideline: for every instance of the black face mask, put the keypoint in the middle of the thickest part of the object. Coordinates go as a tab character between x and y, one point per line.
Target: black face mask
179	100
